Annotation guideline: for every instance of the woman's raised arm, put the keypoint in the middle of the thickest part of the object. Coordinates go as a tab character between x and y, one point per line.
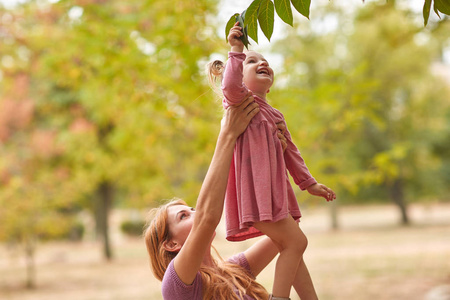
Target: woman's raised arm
210	201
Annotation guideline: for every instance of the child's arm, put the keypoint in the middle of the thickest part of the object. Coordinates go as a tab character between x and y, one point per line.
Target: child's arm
300	173
233	88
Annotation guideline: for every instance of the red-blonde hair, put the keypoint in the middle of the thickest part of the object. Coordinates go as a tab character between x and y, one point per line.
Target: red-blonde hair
220	281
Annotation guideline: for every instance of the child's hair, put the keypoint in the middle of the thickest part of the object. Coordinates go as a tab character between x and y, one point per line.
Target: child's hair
220	281
214	71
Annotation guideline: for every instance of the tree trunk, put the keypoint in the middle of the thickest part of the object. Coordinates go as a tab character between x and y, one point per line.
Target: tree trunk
30	248
397	196
104	201
334	215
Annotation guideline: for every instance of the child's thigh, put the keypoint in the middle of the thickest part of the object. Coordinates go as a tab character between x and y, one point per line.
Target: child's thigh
284	233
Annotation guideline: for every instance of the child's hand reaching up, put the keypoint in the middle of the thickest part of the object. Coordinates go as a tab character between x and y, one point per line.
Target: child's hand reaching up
321	190
234	38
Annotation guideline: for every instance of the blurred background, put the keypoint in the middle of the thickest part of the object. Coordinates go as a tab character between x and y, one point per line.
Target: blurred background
105	112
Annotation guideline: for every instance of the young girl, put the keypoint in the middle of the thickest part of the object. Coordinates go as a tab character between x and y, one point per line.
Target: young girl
260	199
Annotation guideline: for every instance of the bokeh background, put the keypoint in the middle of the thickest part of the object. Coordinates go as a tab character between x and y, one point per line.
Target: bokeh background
105	112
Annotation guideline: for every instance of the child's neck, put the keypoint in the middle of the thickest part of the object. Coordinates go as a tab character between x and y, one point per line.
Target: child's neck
261	95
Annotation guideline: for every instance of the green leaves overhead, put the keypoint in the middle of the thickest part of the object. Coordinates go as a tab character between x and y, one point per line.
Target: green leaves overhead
230	24
262	12
442	6
302	6
266	17
426	11
251	19
241	19
238	18
284	11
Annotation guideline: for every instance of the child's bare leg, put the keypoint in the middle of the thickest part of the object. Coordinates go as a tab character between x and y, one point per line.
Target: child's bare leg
292	243
303	284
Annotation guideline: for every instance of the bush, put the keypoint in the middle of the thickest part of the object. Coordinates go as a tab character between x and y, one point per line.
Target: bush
132	228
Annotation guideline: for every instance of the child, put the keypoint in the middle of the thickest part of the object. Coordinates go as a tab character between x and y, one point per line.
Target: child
260	199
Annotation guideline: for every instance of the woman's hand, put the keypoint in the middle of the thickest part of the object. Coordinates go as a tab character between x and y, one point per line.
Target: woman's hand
234	38
237	118
321	190
281	130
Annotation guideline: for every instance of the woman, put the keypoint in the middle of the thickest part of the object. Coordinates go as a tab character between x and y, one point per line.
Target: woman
179	238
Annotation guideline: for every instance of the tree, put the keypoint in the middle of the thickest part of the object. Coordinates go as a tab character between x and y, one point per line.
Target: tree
34	194
122	96
369	104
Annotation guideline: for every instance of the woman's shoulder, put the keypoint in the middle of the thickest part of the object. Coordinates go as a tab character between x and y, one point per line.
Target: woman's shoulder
239	259
173	288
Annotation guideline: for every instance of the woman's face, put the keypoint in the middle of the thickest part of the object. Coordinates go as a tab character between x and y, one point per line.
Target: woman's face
180	220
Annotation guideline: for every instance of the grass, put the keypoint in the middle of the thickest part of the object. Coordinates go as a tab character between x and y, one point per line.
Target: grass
370	257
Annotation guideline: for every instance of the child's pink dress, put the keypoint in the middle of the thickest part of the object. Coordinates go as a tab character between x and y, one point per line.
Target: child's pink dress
258	184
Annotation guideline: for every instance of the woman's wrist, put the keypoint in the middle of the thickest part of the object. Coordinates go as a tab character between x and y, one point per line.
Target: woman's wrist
227	136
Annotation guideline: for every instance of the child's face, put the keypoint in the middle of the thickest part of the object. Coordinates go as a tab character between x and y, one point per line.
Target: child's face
258	76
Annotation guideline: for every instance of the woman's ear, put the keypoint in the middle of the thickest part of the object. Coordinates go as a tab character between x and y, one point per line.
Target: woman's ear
171	246
268	91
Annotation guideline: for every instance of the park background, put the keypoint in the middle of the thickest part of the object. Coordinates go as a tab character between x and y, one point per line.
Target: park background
105	111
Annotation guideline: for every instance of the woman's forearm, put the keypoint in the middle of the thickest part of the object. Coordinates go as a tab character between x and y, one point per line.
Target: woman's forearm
212	194
211	198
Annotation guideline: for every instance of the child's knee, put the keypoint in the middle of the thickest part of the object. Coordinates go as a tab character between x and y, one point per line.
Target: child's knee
301	243
297	244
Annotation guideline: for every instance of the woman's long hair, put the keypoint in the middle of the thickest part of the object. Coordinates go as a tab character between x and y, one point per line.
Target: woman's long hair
220	281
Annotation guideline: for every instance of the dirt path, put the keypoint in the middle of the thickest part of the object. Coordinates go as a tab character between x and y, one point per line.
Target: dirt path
369	258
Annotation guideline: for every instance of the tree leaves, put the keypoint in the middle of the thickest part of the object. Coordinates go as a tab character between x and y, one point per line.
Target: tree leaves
426	11
266	17
262	12
251	19
302	6
230	24
241	19
442	6
284	11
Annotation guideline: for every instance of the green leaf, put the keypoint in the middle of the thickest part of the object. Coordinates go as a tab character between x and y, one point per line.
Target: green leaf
240	18
251	19
436	11
266	17
443	6
426	11
230	24
284	11
302	6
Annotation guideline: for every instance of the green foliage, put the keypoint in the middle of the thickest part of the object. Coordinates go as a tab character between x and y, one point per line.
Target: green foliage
251	19
284	11
132	228
266	17
263	12
370	112
442	6
121	99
